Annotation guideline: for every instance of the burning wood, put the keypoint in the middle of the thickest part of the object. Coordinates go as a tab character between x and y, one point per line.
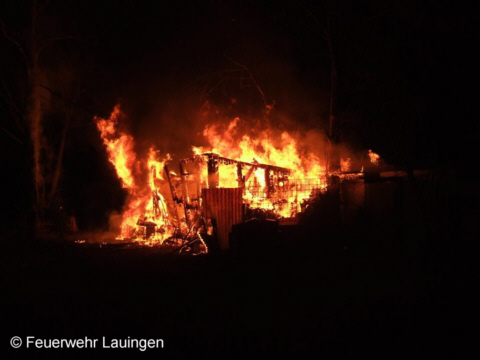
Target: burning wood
276	181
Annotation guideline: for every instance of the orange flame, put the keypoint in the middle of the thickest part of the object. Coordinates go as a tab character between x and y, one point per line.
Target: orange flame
145	204
374	157
119	147
282	151
146	207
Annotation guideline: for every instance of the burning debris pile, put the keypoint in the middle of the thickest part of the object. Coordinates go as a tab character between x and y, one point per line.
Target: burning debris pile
164	208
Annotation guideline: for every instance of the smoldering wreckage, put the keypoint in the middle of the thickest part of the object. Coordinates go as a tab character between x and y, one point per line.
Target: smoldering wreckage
214	200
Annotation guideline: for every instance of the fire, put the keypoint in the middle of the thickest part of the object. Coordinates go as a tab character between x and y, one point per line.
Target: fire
145	204
307	175
374	157
119	147
278	173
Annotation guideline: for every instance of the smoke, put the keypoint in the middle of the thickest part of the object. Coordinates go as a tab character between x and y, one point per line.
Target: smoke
114	222
169	105
103	235
314	142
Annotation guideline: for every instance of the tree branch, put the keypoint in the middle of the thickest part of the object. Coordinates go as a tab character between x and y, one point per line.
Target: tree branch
11	135
14	110
244	67
312	15
16	43
206	93
69	101
50	42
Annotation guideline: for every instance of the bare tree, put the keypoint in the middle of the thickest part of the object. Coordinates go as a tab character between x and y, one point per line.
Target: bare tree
29	110
326	25
240	75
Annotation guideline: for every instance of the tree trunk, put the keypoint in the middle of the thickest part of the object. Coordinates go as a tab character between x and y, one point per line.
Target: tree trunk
34	118
58	165
45	178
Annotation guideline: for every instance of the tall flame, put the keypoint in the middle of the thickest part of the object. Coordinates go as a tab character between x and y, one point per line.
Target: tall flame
145	204
307	171
119	147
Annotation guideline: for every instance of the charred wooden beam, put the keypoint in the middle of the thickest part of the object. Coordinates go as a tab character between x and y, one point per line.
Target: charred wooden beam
156	205
227	161
212	167
250	171
255	164
240	178
269	182
173	193
196	158
183	178
185	197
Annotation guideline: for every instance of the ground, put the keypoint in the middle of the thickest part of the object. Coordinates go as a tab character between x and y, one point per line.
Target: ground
324	302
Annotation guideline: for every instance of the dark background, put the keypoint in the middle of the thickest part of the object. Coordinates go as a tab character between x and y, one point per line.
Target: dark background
406	74
407	89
